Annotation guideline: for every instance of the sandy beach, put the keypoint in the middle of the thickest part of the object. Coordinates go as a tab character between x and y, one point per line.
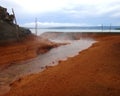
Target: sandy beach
94	72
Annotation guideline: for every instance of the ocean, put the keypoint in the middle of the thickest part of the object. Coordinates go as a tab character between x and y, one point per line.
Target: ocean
77	29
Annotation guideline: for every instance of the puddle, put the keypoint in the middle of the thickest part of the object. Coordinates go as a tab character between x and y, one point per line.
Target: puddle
39	63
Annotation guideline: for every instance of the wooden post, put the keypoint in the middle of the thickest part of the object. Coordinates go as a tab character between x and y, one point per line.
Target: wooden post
17	28
36	26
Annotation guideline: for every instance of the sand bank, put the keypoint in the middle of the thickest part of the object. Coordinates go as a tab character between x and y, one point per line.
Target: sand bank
30	47
94	72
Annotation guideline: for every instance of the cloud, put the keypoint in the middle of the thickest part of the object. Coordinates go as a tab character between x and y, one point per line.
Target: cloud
65	11
116	15
40	6
52	24
94	8
9	4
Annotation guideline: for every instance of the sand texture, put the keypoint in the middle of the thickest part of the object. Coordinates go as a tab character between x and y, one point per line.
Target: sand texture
94	72
28	48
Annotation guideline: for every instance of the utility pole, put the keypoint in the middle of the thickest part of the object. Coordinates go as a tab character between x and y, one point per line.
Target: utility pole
17	28
102	27
110	27
36	25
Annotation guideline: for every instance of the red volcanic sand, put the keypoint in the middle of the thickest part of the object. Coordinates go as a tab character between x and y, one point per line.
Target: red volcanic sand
94	72
22	50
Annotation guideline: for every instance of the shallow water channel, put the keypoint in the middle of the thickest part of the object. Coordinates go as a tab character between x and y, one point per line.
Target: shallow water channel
38	64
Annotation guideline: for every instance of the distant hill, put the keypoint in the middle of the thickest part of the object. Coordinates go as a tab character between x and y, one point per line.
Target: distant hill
86	27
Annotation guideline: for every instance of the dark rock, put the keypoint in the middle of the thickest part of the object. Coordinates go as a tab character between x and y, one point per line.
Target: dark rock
10	31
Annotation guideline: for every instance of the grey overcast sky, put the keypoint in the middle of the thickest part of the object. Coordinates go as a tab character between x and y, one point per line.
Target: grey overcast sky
65	12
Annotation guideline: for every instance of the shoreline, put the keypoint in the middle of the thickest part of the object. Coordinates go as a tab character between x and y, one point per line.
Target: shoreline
71	77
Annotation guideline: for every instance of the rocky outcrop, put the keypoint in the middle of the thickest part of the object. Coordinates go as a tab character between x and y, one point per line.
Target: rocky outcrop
8	30
17	43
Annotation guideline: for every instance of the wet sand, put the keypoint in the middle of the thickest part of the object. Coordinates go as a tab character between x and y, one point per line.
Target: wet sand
41	62
32	46
94	72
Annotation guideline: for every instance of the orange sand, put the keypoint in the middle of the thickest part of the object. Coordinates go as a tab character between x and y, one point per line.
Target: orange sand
22	50
94	72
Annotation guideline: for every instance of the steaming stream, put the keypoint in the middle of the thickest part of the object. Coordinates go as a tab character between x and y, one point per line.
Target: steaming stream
38	64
